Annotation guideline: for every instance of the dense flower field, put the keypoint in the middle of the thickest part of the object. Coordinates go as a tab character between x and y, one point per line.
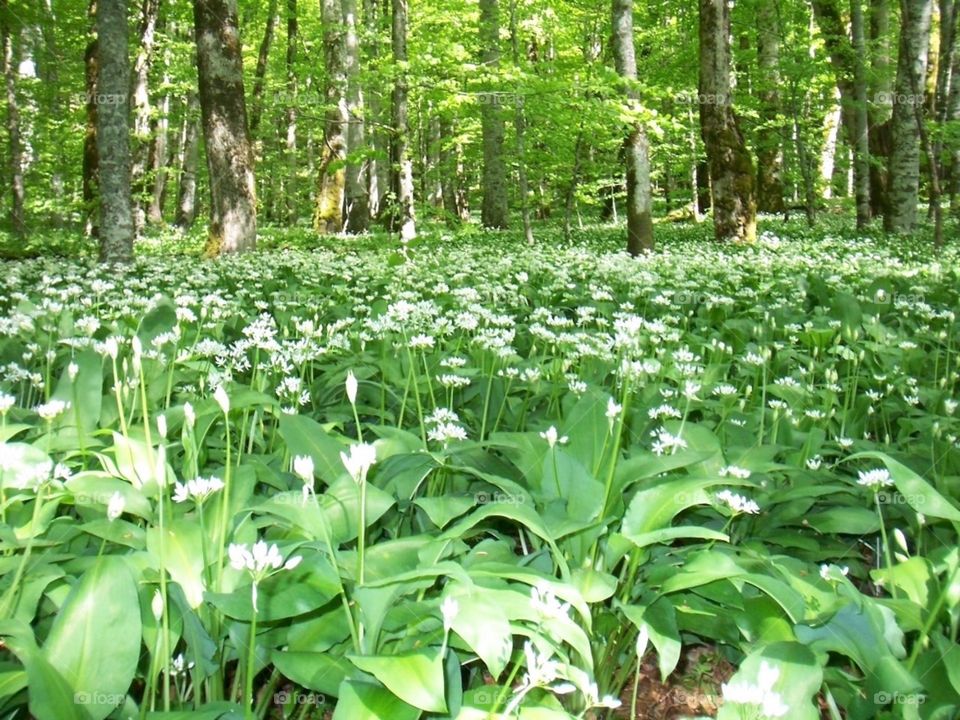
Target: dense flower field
480	479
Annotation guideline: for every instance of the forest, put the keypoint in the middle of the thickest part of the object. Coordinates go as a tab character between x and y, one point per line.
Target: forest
482	360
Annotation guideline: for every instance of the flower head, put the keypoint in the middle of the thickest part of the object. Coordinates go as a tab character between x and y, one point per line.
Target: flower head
351	386
553	437
115	506
362	456
223	400
875	479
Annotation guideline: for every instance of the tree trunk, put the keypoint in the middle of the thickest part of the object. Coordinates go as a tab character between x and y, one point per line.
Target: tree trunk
494	209
357	203
113	132
328	213
233	215
290	148
905	154
90	156
769	152
378	168
520	126
260	74
159	150
187	191
140	94
15	158
861	128
636	152
402	214
828	154
731	167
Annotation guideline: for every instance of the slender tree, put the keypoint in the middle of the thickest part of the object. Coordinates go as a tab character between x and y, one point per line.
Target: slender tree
402	214
861	126
905	155
494	210
142	109
190	156
635	147
260	73
328	213
15	148
356	190
769	146
732	174
233	219
113	132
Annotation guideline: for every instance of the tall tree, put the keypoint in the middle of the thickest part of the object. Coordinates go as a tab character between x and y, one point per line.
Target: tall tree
911	76
769	146
186	211
861	127
357	204
15	148
402	213
520	131
142	112
635	147
260	73
494	210
290	145
731	167
328	214
233	218
113	132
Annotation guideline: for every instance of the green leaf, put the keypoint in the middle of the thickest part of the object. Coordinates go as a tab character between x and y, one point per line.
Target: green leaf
654	508
661	621
799	677
304	436
320	671
95	638
414	677
286	594
917	492
365	701
181	555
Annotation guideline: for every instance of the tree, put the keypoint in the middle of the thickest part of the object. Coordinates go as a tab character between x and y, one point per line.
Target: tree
402	213
861	123
113	132
233	219
328	214
494	210
15	149
635	148
905	154
357	203
731	167
769	151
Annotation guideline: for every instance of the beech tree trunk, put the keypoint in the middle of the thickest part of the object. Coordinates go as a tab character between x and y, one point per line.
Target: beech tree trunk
494	209
15	148
187	190
769	148
357	203
140	94
233	218
732	173
328	213
260	73
91	66
861	127
290	146
636	153
402	214
905	154
113	132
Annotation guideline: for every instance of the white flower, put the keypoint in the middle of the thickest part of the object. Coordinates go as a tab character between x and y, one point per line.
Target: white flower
72	370
156	605
351	386
814	463
115	506
613	409
262	561
189	416
949	406
179	665
198	489
827	572
737	472
545	602
643	638
761	694
223	400
304	468
738	503
162	425
6	402
880	477
362	456
666	442
552	437
449	609
445	432
112	347
49	411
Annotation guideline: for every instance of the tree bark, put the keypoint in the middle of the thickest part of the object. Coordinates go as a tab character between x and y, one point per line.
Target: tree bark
187	190
233	219
402	214
861	128
905	154
290	146
113	132
731	167
357	203
828	154
769	151
378	168
328	213
260	73
494	209
15	147
90	156
520	126
636	151
140	94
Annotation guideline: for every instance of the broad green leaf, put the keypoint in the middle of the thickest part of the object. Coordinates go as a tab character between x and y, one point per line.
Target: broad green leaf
798	678
181	554
304	436
660	618
917	492
359	700
94	641
320	671
414	677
